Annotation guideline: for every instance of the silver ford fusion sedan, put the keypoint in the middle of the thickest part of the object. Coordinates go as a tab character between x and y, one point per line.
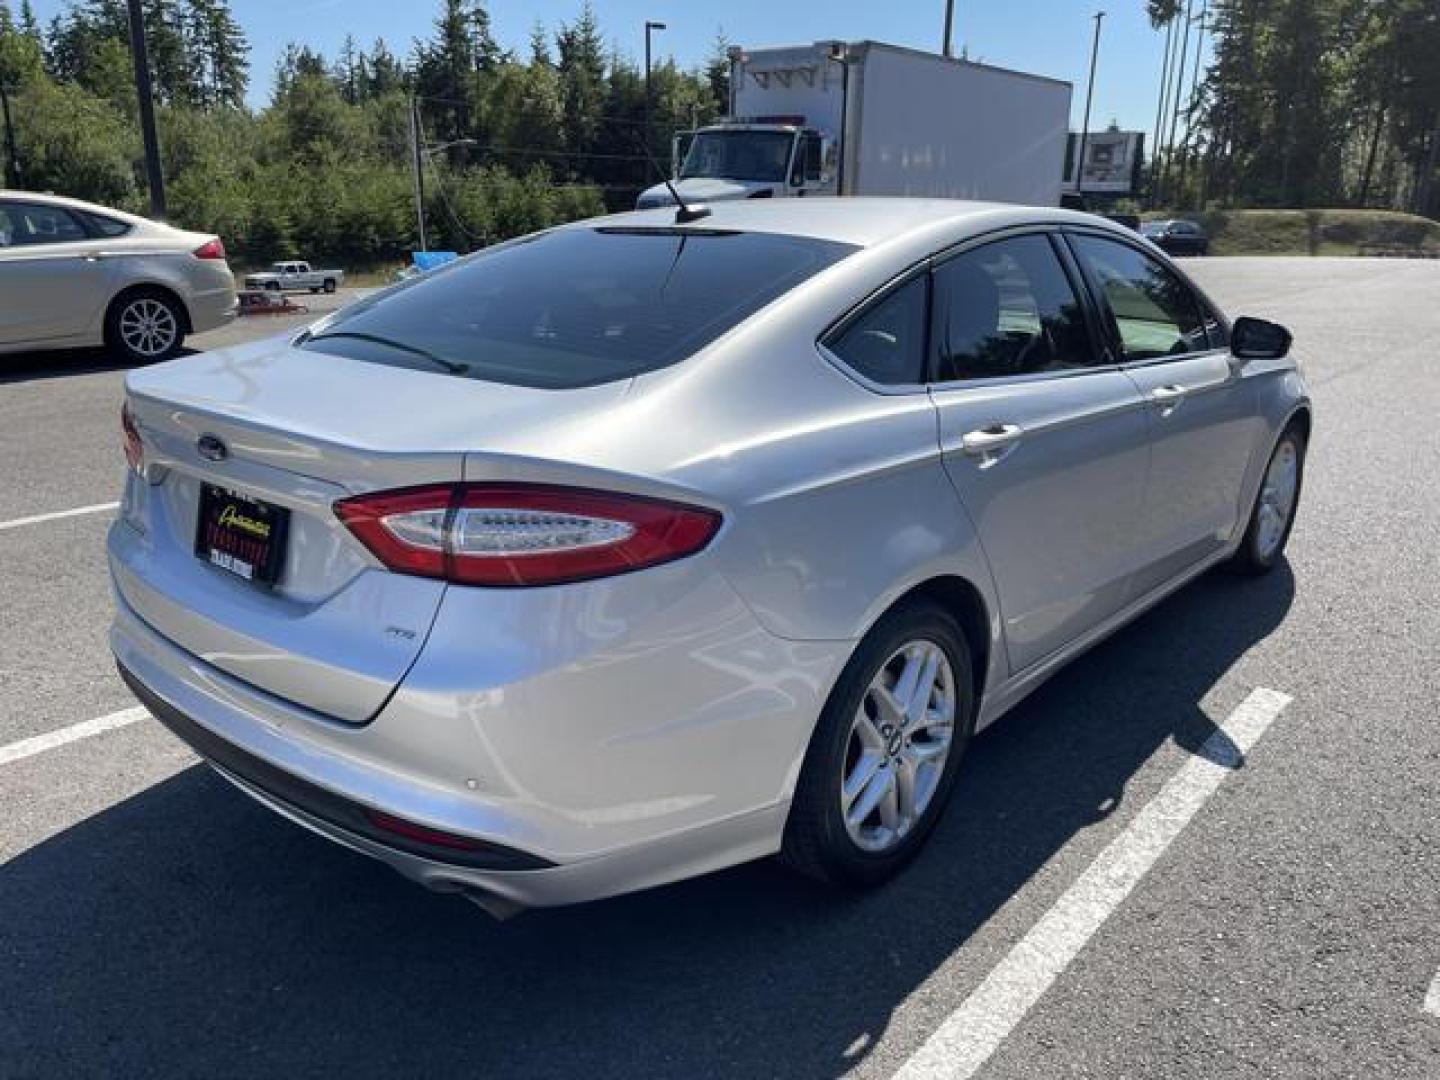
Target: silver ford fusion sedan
652	544
73	274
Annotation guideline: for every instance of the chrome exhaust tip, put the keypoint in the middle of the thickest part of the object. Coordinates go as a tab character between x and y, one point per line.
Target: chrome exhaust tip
496	906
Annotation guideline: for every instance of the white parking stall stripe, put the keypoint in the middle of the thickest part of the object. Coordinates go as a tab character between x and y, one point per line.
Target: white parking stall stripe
39	519
974	1031
38	744
1432	999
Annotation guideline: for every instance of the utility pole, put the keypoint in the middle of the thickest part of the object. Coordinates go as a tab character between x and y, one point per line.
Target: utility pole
1189	18
1099	17
946	48
147	111
419	169
1160	110
650	27
1194	91
11	175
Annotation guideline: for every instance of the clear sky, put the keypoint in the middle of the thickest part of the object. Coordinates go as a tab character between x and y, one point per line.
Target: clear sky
1048	37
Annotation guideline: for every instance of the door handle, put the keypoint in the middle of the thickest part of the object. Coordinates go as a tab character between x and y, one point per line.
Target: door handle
1168	397
988	443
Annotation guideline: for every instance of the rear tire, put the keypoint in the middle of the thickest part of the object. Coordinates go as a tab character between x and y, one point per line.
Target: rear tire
329	285
145	326
1273	515
843	828
272	286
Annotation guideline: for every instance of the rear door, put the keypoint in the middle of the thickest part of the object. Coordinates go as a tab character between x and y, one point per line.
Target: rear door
1201	413
1043	438
54	275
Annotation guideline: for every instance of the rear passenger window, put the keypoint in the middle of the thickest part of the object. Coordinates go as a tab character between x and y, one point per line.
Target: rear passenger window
1006	309
1156	314
107	226
886	342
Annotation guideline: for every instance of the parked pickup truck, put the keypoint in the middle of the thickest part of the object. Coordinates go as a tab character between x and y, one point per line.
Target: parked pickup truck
295	276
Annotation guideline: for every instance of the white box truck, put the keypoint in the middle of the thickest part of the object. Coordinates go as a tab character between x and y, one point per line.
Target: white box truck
866	118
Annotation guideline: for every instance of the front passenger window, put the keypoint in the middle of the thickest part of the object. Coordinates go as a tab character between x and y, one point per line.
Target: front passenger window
24	224
1156	314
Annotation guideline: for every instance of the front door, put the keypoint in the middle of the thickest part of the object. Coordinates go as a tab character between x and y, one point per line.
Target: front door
1202	414
53	274
1043	438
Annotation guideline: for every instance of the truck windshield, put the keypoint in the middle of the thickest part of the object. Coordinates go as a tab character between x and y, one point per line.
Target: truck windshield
739	155
576	307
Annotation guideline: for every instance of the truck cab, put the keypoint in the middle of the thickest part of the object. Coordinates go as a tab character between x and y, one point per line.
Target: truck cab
748	159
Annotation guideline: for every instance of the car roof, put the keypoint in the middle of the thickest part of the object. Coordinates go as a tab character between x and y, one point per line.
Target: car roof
859	220
46	198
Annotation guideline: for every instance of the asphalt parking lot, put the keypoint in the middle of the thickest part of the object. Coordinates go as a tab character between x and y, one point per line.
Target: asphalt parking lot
1207	849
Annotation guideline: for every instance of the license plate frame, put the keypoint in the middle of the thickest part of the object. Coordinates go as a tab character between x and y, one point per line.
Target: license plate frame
241	534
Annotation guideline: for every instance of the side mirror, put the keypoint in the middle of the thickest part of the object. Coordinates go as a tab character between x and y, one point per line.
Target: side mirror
1258	339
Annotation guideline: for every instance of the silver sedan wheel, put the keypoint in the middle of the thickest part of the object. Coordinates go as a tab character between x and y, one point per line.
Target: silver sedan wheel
1277	498
148	327
899	741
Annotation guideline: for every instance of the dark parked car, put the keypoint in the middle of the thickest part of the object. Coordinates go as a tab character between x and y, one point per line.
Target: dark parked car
1177	237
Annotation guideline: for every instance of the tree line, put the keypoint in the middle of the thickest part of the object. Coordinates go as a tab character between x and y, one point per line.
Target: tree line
1306	103
512	142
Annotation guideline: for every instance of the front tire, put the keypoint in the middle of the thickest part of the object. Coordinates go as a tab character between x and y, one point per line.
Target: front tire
145	326
1273	515
883	759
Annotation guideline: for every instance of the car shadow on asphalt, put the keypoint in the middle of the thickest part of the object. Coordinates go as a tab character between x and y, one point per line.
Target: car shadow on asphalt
187	931
36	366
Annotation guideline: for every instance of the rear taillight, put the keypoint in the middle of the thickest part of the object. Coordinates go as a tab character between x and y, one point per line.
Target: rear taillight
134	447
211	249
523	534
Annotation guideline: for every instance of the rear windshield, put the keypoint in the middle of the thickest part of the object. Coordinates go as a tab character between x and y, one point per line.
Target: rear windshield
576	307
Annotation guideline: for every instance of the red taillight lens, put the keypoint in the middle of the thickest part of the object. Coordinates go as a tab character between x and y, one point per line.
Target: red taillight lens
134	447
211	249
523	534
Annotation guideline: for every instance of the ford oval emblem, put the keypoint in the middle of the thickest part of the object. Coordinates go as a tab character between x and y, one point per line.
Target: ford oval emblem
211	448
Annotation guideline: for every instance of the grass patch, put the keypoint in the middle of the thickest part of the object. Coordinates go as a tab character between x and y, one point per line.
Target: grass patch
1312	232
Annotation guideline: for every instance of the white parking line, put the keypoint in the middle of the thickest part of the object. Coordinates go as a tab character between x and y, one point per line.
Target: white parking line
37	519
38	744
975	1030
1432	999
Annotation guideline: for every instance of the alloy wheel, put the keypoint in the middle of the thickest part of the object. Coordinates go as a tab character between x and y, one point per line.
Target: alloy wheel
899	741
1277	498
148	327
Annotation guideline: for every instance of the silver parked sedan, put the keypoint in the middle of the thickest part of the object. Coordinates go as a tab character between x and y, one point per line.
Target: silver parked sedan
75	274
652	544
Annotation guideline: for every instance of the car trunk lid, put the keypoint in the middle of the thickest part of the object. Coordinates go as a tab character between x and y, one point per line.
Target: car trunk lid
298	431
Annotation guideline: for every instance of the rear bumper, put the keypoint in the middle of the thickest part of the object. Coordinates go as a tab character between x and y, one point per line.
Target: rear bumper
212	309
329	811
208	288
580	841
